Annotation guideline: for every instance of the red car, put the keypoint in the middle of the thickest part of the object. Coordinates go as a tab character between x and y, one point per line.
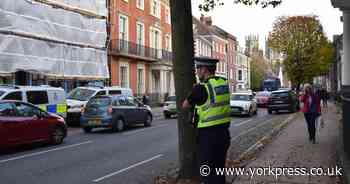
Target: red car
262	98
23	123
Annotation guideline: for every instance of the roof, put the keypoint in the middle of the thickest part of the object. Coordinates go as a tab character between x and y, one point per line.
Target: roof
224	33
203	29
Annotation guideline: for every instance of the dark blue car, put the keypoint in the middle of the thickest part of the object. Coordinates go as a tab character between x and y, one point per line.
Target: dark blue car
115	112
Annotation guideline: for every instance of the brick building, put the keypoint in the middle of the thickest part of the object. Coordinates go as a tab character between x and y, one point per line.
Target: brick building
140	47
223	46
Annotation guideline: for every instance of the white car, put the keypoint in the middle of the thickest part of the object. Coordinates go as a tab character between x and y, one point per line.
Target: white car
243	104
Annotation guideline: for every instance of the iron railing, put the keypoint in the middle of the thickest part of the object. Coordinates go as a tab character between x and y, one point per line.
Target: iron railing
133	49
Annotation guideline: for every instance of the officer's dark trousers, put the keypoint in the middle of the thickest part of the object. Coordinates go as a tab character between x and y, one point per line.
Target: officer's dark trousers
213	146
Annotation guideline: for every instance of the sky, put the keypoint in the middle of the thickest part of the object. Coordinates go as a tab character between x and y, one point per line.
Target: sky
241	21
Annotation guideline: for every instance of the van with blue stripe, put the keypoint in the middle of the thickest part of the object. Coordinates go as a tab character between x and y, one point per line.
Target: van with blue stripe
47	98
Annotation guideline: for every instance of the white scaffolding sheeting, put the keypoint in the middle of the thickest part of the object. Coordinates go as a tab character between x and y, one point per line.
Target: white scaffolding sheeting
53	41
39	19
18	53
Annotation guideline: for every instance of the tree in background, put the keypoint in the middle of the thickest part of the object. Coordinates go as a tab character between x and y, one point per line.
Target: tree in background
259	71
208	5
302	40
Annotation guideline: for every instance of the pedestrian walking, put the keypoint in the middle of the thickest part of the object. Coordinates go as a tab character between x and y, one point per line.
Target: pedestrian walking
211	101
311	110
324	97
145	99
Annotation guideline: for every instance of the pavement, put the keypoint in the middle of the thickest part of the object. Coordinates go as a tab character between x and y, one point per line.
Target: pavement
291	159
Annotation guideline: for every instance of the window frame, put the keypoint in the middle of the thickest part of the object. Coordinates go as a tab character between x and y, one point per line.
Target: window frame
35	97
167	15
13	109
126	65
12	93
126	31
140	6
143	82
158	8
38	110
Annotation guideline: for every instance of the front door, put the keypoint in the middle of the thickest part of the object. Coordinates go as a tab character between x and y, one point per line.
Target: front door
12	128
36	127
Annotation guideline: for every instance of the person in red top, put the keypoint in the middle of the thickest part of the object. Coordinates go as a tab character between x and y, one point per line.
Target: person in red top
311	110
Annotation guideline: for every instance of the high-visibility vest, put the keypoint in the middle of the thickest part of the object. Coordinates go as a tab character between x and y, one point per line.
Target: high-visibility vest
216	110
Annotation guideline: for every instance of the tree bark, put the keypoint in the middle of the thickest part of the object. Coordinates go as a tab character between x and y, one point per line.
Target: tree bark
182	44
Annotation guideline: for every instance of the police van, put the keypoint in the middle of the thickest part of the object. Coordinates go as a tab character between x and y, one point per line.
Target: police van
79	96
47	98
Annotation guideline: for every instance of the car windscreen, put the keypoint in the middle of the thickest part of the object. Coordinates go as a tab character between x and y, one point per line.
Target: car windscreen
171	98
284	94
240	97
81	94
1	93
99	102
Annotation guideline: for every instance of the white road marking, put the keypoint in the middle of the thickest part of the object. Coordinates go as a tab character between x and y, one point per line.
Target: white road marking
242	123
42	152
145	129
128	168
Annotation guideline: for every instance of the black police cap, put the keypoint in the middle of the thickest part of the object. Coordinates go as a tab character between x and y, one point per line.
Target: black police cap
205	61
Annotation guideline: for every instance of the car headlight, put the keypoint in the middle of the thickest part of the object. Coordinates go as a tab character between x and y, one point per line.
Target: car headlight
246	107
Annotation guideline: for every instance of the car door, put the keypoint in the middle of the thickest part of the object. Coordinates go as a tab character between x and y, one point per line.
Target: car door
141	111
126	109
12	128
37	127
134	111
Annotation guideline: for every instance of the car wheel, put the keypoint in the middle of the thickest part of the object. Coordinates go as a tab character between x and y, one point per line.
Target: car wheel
57	135
269	111
118	126
148	120
87	129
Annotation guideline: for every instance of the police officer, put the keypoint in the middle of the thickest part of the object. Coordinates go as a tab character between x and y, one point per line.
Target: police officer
211	101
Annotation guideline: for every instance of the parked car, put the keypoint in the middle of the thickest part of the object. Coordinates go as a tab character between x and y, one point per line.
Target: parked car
45	97
283	100
115	112
243	104
169	107
262	98
79	96
24	123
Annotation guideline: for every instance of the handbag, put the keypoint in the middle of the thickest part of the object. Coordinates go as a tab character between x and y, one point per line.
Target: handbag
319	125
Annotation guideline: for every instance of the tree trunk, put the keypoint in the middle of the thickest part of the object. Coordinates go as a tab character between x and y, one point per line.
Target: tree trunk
182	43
